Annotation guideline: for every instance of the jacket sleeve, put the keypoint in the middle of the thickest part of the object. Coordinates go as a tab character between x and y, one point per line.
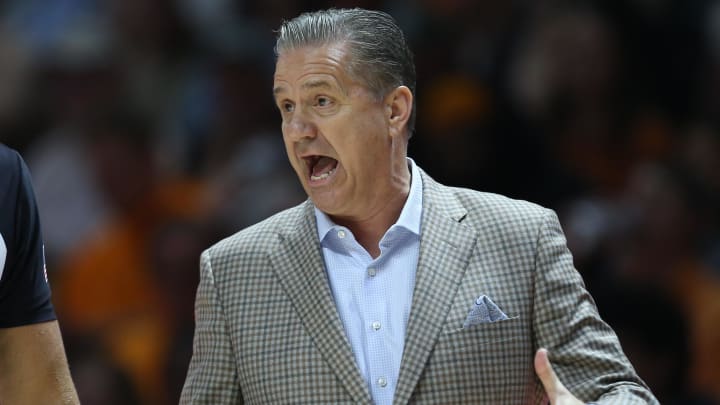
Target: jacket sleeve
212	376
584	350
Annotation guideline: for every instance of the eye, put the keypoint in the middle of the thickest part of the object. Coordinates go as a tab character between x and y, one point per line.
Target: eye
322	101
287	106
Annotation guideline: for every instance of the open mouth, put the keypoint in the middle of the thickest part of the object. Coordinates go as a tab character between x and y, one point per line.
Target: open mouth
321	167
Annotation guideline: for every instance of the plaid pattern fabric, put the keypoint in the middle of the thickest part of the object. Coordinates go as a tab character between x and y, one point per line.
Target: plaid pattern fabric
267	330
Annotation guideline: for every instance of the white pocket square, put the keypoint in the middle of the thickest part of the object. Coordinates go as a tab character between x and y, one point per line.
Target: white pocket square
484	311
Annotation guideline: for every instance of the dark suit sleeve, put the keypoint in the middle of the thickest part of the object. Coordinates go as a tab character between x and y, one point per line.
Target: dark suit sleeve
212	377
24	290
584	350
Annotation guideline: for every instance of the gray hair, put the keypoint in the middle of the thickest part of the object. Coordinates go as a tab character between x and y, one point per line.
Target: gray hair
379	54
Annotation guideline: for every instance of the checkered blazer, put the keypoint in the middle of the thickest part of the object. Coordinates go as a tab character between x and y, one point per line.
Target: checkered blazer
267	330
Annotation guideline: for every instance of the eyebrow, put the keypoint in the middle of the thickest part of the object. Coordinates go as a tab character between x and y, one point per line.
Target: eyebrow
311	84
278	90
316	84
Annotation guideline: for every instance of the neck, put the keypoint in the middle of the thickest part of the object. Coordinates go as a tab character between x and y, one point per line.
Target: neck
369	230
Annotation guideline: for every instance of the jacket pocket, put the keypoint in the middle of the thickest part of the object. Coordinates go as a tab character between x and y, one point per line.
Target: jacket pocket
487	332
487	360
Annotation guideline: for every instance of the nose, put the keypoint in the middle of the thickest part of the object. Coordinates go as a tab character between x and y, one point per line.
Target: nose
299	127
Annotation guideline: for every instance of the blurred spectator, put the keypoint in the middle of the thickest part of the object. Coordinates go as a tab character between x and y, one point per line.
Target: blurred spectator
100	380
132	312
657	340
675	212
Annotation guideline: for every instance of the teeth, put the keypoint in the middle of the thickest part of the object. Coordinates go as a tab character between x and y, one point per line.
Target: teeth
322	176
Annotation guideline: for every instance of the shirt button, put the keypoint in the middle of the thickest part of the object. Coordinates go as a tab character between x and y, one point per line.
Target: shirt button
382	382
341	234
376	325
372	272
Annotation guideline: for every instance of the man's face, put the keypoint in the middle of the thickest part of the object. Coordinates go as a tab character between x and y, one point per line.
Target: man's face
335	131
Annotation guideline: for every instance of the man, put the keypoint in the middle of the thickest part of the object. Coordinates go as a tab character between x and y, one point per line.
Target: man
33	367
385	286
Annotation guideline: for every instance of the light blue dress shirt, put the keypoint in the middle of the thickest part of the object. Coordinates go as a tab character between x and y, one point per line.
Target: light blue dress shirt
373	296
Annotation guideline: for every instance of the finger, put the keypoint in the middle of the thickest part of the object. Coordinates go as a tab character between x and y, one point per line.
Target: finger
547	376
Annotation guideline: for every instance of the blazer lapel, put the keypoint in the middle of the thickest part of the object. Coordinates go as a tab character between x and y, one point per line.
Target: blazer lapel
299	265
446	246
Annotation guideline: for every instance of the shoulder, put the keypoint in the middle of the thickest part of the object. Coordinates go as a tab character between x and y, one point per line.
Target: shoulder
509	216
7	154
14	177
12	183
489	213
15	183
484	204
10	165
481	206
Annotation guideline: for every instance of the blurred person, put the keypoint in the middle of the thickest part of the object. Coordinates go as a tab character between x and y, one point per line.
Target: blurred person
240	165
565	82
107	286
657	343
386	286
74	83
33	366
99	379
700	152
174	247
62	174
456	142
661	248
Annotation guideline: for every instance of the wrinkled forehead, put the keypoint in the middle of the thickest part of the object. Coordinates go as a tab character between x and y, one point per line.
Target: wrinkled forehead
293	64
335	60
338	50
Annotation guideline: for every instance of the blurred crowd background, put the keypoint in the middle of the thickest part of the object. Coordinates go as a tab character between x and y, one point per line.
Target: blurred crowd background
150	131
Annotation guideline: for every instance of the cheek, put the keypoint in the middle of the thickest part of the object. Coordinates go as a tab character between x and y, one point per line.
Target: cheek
288	143
290	153
367	138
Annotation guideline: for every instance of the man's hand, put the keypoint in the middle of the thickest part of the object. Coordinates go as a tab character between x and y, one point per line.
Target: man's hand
558	394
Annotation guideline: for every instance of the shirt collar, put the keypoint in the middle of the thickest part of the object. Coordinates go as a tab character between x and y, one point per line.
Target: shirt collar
410	215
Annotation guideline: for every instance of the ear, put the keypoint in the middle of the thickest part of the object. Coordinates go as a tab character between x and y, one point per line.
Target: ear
398	107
